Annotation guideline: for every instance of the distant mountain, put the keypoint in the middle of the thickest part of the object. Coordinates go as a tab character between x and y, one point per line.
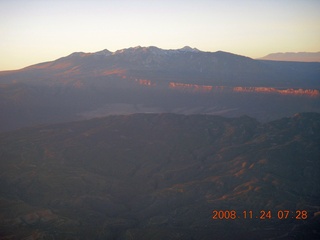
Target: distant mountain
294	56
149	79
162	176
185	64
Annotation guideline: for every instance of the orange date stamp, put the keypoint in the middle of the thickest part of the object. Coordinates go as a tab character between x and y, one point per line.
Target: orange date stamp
262	214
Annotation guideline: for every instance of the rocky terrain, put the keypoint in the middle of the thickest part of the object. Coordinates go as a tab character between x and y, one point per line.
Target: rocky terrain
162	176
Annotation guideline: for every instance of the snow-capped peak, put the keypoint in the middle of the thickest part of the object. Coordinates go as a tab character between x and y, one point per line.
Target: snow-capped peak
104	52
139	49
154	50
188	49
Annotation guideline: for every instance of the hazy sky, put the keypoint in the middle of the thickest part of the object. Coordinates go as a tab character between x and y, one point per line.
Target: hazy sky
33	31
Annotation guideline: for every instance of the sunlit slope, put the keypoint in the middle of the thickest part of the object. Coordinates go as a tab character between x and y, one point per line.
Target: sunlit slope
161	176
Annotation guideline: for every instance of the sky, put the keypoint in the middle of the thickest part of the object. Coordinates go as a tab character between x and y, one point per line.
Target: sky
34	31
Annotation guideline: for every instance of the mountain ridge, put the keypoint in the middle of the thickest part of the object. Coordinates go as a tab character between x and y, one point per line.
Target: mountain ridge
186	63
145	52
191	65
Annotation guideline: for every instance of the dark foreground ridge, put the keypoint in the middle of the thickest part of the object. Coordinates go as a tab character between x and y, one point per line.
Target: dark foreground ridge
161	176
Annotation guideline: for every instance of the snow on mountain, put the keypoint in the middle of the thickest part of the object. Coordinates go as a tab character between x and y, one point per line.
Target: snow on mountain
104	52
189	49
155	50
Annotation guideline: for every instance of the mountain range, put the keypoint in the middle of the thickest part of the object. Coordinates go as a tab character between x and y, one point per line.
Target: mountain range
150	79
188	64
162	176
294	56
146	143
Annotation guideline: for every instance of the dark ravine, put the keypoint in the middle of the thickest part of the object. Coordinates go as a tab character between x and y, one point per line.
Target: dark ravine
160	176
